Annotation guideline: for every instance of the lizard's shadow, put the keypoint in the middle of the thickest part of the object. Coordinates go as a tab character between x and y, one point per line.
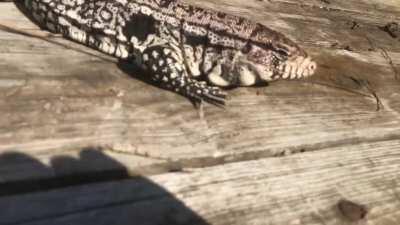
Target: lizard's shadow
134	71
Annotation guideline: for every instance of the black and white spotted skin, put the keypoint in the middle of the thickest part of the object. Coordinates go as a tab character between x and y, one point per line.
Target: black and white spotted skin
188	50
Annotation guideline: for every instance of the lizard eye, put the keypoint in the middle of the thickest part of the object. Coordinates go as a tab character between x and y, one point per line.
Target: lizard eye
281	49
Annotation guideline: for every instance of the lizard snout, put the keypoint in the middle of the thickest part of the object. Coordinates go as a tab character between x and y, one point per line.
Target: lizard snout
298	67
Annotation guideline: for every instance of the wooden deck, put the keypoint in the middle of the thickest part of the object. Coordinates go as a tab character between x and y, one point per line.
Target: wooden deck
84	140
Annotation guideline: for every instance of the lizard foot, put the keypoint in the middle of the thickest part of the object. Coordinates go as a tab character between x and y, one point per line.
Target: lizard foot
166	68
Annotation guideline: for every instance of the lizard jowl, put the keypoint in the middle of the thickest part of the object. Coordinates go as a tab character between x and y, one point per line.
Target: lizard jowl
189	50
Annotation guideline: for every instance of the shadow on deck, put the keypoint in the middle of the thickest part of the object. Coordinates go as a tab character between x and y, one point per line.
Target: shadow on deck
135	195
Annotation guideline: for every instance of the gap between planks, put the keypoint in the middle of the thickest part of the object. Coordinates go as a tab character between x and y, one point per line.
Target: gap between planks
114	165
300	189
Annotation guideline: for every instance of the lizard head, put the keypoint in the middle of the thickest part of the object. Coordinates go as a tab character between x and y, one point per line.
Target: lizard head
273	61
262	55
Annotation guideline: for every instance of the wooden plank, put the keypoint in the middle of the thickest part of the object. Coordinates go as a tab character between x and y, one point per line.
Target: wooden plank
59	98
315	23
298	189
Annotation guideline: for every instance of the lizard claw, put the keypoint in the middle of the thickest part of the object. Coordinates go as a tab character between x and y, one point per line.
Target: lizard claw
169	71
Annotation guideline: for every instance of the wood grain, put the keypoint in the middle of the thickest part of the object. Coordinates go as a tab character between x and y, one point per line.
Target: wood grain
59	97
296	190
76	125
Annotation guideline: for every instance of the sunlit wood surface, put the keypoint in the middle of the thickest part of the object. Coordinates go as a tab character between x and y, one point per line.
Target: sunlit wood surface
84	140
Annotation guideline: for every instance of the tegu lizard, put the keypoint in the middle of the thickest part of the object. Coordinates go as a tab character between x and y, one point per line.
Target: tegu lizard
189	50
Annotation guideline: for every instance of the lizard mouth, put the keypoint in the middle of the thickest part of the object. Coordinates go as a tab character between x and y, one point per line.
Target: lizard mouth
298	67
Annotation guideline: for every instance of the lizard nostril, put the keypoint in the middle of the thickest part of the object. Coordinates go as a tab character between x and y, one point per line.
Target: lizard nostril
312	66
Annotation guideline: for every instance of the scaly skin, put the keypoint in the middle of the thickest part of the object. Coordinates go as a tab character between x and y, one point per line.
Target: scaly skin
187	49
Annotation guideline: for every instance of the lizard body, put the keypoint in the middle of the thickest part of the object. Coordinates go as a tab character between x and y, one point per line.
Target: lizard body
189	50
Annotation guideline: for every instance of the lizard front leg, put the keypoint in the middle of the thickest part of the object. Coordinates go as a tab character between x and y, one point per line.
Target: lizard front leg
167	68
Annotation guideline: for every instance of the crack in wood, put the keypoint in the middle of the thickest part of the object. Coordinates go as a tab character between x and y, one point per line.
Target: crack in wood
360	82
184	165
389	60
313	6
386	56
322	7
170	166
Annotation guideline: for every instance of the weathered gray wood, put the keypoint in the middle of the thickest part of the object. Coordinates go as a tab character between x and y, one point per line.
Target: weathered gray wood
313	22
296	190
57	100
